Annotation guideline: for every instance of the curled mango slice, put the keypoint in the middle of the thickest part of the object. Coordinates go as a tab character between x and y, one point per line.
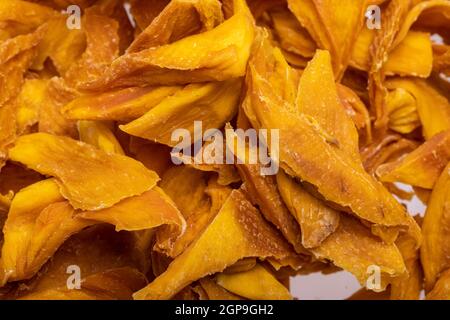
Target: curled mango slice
208	60
434	251
423	166
256	283
236	232
62	157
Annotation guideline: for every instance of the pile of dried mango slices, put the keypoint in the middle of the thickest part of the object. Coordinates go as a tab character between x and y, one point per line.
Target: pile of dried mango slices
88	187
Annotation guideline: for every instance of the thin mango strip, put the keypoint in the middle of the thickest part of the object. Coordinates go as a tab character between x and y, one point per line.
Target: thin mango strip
256	284
433	107
213	103
236	232
120	105
178	20
101	179
422	167
112	284
316	155
316	220
412	57
207	58
353	248
435	249
334	25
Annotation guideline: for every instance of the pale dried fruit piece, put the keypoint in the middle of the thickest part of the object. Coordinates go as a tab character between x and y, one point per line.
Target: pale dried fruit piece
196	58
441	290
412	57
35	229
353	248
435	249
89	178
333	24
237	231
99	134
178	20
432	106
256	284
120	105
112	284
316	220
422	167
213	104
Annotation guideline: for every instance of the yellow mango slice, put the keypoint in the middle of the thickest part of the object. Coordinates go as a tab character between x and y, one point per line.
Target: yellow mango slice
29	101
100	135
213	103
435	249
353	248
35	229
207	58
423	166
412	57
432	106
178	20
316	220
101	179
119	105
334	25
216	292
403	116
255	284
236	232
263	192
113	284
409	285
441	290
309	152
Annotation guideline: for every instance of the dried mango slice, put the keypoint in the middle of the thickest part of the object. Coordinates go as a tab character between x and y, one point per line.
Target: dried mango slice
334	25
113	284
423	166
307	152
435	249
441	59
35	229
29	101
145	11
216	292
213	103
255	284
51	119
353	248
432	106
101	179
236	232
316	220
408	286
208	60
102	47
178	20
100	135
61	44
441	290
412	57
403	116
292	36
120	105
263	192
